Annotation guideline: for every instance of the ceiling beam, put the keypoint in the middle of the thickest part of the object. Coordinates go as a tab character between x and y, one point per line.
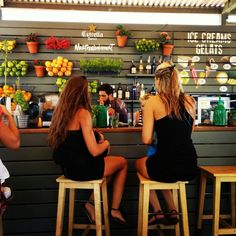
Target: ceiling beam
230	5
94	7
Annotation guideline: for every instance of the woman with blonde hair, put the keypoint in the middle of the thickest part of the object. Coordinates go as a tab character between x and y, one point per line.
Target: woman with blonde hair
76	149
170	114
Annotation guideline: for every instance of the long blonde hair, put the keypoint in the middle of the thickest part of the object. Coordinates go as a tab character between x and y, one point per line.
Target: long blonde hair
170	89
73	97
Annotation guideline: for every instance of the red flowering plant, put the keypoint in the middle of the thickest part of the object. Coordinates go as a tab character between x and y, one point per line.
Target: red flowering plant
165	38
56	43
38	63
32	37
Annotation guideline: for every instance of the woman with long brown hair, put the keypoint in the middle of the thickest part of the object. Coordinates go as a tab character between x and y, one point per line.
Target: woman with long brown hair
170	114
75	147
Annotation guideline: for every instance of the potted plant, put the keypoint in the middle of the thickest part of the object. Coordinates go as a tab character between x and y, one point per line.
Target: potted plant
32	42
21	99
146	45
94	114
166	43
121	35
101	65
39	68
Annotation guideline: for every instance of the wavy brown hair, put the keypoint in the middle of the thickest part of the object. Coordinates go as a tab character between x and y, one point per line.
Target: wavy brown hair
170	89
73	97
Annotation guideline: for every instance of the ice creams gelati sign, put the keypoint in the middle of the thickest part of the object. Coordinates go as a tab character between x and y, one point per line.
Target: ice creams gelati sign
92	36
209	43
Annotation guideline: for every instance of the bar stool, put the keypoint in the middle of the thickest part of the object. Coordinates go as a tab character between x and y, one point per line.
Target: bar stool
145	185
218	174
95	185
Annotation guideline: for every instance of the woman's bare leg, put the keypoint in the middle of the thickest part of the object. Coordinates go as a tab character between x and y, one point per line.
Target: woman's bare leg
116	169
168	196
118	166
140	165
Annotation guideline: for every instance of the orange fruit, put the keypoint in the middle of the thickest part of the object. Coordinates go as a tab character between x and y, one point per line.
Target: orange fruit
70	64
68	73
55	70
50	73
63	69
60	73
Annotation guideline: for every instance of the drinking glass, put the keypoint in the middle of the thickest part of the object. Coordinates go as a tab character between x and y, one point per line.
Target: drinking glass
115	120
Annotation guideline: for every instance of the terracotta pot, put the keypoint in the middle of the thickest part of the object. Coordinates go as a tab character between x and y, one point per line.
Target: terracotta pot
39	71
32	46
121	40
167	49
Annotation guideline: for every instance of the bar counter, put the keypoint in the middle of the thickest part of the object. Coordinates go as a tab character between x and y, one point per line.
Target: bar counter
32	212
133	129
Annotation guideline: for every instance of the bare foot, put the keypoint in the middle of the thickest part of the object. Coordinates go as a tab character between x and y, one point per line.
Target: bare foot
115	213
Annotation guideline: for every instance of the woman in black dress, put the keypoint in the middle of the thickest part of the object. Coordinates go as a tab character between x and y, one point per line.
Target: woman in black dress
170	114
76	149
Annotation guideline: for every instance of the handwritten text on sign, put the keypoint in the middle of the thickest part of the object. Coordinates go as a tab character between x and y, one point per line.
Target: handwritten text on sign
209	43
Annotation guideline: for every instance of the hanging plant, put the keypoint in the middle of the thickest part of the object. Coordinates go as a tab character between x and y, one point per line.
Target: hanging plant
57	44
146	45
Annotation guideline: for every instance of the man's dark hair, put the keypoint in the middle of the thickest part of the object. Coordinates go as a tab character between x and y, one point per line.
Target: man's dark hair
107	88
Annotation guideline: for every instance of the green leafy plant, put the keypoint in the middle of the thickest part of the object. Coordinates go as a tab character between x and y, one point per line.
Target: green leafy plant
32	37
146	45
165	38
95	111
22	100
121	31
101	65
39	63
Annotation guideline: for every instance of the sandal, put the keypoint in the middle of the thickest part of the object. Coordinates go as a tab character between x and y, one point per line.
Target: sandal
88	214
116	219
157	220
171	217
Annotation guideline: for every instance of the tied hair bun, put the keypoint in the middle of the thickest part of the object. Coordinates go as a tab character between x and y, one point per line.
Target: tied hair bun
164	68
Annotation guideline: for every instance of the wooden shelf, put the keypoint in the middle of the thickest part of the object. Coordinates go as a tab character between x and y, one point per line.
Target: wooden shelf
141	75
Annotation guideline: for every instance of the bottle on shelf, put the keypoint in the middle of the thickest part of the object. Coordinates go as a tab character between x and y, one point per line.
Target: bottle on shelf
120	92
133	69
134	91
127	93
153	65
153	90
140	67
219	116
138	88
114	91
142	90
148	66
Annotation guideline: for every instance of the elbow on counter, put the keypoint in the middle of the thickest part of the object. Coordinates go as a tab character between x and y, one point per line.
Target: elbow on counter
15	145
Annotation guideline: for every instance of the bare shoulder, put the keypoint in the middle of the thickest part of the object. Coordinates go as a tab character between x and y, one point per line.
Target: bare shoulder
190	99
83	113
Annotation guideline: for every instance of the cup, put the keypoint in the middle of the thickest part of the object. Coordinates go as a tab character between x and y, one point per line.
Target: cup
115	120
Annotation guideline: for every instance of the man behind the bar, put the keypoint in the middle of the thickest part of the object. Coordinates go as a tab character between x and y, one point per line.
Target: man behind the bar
105	92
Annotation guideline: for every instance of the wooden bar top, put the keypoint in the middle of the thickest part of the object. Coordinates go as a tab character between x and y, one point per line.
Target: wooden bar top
134	129
220	170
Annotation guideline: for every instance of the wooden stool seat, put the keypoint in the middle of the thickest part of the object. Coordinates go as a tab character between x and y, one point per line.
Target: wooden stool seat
218	174
96	186
145	185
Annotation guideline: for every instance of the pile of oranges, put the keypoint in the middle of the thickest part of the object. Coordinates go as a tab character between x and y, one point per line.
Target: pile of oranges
59	67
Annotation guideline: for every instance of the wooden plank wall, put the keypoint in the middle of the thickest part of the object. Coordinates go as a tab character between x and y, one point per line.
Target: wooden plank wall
32	212
33	173
73	31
